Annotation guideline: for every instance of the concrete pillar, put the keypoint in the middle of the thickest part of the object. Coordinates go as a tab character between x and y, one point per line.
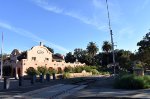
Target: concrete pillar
48	77
41	78
33	79
54	76
20	80
16	72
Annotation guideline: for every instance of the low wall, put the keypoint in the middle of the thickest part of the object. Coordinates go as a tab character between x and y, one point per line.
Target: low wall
72	75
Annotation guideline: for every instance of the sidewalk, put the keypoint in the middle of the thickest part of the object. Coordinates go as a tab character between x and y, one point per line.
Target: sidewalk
111	94
53	92
16	90
61	89
102	89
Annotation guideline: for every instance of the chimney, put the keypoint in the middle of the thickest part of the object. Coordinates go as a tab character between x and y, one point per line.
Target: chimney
41	44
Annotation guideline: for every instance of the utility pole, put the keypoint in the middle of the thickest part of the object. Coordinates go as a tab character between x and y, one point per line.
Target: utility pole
2	58
112	42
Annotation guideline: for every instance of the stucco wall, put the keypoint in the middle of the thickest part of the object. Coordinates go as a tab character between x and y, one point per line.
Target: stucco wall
40	53
55	65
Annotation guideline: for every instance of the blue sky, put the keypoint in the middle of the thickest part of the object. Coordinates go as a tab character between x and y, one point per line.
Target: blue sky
68	24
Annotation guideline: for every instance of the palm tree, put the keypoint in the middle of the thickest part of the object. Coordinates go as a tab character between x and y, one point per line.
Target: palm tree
92	49
106	47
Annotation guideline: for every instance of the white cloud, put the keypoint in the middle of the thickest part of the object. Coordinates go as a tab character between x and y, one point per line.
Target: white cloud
98	20
55	9
30	35
44	4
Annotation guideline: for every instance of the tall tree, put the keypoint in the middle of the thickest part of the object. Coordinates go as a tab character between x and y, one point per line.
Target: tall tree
82	56
78	53
92	49
144	49
106	47
124	59
70	58
145	43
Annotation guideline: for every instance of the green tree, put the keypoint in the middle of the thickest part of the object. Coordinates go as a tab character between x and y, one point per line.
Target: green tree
92	49
98	59
70	58
31	71
42	70
50	49
78	52
106	47
124	59
80	55
144	49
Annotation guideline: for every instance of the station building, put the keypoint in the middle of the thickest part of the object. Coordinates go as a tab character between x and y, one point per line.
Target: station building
36	56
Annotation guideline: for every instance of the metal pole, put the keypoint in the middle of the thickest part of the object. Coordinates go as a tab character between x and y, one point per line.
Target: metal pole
111	39
2	58
113	52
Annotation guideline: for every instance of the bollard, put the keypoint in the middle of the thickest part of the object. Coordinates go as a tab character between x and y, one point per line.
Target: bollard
20	80
42	78
6	82
48	77
54	77
61	76
33	79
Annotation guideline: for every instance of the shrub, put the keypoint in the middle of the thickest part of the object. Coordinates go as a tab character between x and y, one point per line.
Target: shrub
77	69
31	71
94	71
51	71
68	69
132	82
87	68
42	70
94	67
147	81
48	71
54	71
66	75
104	73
